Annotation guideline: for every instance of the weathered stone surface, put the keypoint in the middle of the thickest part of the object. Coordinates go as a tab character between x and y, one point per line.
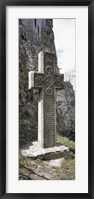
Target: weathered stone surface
47	81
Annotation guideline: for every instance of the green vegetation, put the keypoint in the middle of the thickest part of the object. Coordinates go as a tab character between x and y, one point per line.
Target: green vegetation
68	143
67	170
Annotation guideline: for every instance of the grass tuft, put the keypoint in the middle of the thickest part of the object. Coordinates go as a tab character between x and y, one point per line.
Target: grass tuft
68	143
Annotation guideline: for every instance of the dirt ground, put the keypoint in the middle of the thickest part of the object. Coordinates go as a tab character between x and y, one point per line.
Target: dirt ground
59	169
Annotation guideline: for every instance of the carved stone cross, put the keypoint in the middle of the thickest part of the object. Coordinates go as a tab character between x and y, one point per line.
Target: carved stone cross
47	81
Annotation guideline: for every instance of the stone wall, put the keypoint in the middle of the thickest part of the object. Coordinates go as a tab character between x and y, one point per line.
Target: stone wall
30	44
29	47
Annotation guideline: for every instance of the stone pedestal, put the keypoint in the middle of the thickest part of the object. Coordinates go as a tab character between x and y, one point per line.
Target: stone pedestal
35	151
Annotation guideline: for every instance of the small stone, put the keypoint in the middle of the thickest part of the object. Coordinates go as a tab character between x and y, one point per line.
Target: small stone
56	163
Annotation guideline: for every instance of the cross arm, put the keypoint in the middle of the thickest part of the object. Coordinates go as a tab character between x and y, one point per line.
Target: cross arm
59	81
35	80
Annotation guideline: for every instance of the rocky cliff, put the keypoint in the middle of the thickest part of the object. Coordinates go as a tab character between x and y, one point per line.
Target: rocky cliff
30	44
66	111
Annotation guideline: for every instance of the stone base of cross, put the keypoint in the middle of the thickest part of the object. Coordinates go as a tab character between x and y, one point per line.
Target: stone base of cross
47	81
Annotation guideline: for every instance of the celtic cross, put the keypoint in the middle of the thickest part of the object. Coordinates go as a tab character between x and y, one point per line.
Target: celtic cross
47	81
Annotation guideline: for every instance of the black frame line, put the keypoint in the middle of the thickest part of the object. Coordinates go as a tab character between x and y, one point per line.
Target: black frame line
3	4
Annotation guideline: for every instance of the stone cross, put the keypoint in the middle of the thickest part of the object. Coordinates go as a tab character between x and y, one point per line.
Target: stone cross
47	81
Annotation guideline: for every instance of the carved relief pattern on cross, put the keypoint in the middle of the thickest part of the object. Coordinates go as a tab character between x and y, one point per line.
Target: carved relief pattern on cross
49	78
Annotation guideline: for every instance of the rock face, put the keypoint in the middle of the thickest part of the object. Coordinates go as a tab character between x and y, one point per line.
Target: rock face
30	44
66	111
